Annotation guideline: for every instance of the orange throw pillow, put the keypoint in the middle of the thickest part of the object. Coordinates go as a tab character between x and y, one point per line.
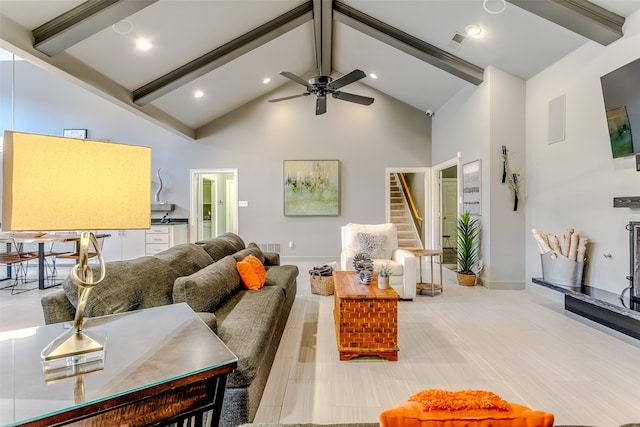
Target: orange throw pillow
252	272
468	408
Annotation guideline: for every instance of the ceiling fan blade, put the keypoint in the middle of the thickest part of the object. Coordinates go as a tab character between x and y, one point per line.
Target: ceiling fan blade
288	97
321	105
358	99
349	78
295	78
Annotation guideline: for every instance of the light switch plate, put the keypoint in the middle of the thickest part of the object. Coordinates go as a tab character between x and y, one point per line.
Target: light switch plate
243	204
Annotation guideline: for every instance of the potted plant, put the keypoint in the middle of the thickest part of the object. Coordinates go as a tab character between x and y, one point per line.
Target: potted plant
468	248
383	276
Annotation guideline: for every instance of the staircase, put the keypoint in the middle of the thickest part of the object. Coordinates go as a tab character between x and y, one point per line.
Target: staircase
408	237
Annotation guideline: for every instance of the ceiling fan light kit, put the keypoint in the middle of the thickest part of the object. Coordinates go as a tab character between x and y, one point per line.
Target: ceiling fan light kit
321	86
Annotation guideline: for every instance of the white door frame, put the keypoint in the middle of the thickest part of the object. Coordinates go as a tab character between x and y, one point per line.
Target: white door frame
195	176
435	201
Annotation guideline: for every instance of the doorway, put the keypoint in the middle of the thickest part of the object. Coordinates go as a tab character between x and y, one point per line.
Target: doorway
214	208
446	190
408	205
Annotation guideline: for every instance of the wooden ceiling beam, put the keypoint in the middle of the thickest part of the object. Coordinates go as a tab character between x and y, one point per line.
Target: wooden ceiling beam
83	21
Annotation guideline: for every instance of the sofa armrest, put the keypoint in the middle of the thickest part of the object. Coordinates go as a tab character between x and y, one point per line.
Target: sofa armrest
271	258
57	308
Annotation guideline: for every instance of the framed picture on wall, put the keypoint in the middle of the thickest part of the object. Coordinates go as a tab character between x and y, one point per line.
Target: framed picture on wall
75	133
311	187
471	187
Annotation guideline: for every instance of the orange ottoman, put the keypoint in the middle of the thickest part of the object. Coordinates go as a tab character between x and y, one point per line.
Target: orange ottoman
466	408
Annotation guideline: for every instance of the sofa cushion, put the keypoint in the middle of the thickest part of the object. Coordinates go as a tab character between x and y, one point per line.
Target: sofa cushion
253	250
246	323
204	290
258	252
186	258
252	272
128	285
284	277
210	320
222	246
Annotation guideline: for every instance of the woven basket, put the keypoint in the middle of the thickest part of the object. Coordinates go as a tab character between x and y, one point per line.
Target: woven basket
321	285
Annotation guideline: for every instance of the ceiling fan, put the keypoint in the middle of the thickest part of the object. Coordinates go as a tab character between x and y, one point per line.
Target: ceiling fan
322	86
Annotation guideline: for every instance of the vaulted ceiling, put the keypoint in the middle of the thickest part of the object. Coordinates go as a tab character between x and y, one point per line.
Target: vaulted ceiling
225	49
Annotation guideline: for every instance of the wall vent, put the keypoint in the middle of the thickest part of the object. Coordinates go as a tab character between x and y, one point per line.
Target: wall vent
456	41
269	247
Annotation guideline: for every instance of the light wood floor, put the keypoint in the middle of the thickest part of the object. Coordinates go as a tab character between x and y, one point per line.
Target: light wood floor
521	345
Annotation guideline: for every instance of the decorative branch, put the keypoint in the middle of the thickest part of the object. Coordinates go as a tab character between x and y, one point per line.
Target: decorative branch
510	177
504	163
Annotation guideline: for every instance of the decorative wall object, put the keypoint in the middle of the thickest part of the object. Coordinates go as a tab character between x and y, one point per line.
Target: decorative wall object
510	177
75	133
311	187
620	132
471	187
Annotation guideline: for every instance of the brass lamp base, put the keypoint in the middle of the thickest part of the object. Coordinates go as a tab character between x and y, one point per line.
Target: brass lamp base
73	348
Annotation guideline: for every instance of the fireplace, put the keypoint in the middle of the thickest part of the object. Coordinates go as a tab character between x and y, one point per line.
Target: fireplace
634	263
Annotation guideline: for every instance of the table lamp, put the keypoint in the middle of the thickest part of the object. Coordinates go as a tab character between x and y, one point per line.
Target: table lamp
53	183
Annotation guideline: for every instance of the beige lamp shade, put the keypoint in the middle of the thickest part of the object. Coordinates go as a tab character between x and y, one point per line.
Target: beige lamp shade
55	183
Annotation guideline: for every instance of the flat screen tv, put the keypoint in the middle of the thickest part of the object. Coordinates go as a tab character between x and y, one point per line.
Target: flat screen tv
621	92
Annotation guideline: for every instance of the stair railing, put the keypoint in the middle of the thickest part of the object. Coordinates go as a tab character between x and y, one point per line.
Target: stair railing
407	191
410	207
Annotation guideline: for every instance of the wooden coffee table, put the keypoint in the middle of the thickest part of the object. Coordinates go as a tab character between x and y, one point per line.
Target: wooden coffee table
366	318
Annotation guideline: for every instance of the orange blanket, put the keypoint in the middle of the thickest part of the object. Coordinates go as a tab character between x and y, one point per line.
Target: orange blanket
466	408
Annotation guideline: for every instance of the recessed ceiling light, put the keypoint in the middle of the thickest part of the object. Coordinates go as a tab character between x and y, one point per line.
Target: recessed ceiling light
144	44
494	6
122	27
198	94
266	80
473	30
373	75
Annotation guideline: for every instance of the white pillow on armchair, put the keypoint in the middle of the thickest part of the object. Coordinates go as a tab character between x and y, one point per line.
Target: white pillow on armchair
377	240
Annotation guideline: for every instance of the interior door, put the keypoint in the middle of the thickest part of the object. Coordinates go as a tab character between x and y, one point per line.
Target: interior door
231	197
449	211
220	201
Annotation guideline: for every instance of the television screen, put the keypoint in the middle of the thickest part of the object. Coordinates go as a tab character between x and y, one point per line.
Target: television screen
621	92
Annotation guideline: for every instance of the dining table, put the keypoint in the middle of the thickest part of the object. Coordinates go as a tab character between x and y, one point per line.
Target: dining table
42	238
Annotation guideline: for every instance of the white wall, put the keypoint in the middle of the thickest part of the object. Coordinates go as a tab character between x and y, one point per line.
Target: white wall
476	123
571	184
255	139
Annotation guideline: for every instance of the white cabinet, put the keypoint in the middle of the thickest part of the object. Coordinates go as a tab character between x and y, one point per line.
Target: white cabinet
162	236
123	244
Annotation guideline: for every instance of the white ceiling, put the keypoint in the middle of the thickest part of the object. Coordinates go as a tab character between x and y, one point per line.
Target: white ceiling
516	41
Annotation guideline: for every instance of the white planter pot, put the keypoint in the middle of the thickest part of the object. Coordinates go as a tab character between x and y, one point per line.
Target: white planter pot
383	282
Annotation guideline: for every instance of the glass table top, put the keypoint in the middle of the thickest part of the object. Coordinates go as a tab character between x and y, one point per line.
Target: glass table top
143	348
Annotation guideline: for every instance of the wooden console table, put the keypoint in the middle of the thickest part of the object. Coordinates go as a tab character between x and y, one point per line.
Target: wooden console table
163	365
366	317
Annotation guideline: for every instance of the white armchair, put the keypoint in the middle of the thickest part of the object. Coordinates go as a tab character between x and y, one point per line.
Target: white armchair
380	241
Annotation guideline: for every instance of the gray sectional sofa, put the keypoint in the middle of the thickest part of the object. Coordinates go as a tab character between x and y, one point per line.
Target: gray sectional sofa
204	275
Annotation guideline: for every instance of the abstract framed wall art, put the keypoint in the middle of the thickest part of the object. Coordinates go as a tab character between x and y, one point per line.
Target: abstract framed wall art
311	187
471	193
619	132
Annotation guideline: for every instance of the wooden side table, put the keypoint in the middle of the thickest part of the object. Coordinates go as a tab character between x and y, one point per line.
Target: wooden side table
163	366
366	318
429	286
